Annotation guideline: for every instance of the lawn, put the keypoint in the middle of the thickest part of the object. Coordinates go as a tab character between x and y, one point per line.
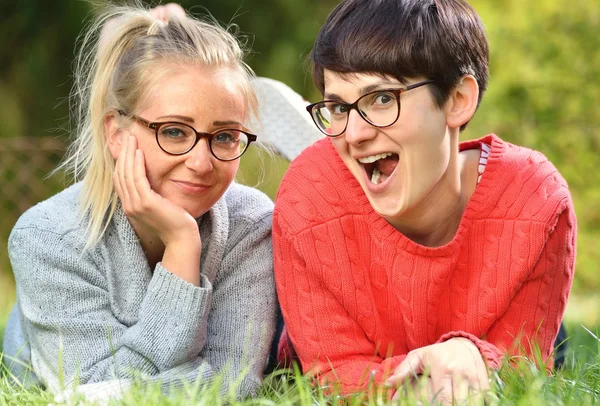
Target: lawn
578	383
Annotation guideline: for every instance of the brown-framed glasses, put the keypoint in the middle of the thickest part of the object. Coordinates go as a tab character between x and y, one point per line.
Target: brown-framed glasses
380	108
175	138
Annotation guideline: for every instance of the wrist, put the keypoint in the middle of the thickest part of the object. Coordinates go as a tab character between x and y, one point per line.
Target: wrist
182	258
188	236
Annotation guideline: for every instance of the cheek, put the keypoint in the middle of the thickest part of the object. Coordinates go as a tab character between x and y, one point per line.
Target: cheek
425	163
228	170
157	165
341	146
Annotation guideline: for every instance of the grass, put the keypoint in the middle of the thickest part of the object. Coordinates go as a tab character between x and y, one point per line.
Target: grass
578	383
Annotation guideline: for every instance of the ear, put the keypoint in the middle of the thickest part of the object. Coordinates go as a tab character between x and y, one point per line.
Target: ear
113	134
462	102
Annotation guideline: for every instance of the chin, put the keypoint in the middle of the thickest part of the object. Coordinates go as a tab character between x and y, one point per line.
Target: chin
387	207
194	209
196	212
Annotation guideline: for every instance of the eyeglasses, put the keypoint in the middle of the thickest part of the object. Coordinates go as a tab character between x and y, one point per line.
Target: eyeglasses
226	144
380	108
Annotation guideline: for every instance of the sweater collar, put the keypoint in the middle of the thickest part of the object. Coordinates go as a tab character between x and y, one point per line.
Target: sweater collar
482	197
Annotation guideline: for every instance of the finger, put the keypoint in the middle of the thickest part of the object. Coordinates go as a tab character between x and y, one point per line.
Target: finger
421	389
476	399
140	178
483	379
442	389
118	186
411	367
460	388
479	380
129	171
119	170
478	385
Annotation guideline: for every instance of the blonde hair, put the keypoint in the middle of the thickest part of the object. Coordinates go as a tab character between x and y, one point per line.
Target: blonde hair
113	72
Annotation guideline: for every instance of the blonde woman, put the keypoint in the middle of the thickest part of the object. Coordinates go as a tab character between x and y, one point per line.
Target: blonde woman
155	263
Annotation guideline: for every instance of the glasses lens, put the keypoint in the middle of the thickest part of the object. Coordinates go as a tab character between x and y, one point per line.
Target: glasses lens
379	108
229	144
176	138
330	117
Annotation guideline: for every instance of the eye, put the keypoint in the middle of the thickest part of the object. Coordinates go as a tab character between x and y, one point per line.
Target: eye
227	137
173	131
384	98
337	108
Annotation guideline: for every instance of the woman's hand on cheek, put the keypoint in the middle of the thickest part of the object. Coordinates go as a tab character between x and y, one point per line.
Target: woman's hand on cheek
144	206
455	368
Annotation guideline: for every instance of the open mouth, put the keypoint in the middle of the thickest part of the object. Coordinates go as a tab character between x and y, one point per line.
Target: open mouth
379	167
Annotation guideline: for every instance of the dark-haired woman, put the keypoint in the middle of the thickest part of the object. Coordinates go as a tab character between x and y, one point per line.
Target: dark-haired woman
400	251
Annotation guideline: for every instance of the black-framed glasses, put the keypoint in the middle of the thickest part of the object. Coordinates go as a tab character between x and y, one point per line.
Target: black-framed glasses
380	108
175	138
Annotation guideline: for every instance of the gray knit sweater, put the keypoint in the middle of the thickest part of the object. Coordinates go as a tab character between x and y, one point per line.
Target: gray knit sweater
108	316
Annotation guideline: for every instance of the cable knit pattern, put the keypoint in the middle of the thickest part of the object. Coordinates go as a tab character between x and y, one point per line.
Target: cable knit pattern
107	315
357	295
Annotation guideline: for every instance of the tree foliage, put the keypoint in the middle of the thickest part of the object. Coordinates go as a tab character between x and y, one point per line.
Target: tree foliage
545	77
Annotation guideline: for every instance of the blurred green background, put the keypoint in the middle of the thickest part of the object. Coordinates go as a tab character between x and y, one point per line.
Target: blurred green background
544	90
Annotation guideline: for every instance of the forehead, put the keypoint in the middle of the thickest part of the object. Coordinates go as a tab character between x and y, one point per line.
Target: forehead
190	90
355	84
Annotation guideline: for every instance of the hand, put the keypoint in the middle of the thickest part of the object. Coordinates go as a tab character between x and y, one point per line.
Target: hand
142	205
150	212
420	388
455	367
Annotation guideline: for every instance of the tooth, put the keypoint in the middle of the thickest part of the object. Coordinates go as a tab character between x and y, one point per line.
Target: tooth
375	176
373	158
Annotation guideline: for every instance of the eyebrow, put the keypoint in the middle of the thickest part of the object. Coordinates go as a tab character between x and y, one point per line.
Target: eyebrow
176	117
229	122
363	90
191	120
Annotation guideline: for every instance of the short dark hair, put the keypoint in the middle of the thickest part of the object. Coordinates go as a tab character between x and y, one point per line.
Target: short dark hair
441	40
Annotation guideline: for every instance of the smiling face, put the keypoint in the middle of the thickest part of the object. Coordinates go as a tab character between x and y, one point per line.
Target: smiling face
207	99
398	166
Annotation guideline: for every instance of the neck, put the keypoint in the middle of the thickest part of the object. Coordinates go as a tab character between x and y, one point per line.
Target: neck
435	220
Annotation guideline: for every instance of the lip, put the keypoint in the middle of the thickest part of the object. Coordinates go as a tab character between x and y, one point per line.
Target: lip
191	188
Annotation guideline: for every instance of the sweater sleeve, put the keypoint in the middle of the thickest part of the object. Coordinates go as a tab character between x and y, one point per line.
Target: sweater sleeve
531	322
334	348
72	331
241	322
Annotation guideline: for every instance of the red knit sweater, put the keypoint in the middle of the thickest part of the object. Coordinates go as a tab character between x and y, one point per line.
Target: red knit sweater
357	295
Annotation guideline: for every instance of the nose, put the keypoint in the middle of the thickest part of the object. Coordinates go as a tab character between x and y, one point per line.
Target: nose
358	129
199	159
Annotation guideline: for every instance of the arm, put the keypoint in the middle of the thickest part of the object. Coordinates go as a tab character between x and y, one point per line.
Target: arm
68	318
329	343
531	322
536	310
240	324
